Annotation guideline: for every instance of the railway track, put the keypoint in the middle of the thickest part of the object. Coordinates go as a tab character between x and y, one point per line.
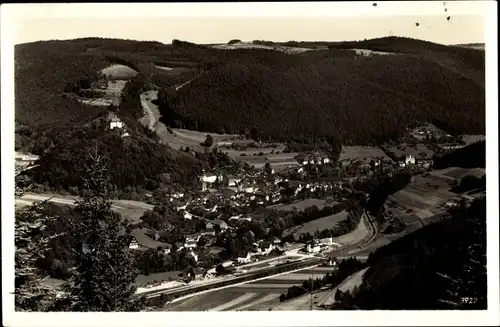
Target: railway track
363	243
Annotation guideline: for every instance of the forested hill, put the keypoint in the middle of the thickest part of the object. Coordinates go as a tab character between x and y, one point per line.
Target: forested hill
436	267
332	94
335	94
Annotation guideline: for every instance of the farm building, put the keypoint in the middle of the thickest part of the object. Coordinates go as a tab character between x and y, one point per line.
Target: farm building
134	245
409	160
144	241
190	244
115	122
312	247
209	229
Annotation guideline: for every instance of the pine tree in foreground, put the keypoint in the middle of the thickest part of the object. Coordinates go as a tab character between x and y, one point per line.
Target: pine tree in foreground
104	275
31	294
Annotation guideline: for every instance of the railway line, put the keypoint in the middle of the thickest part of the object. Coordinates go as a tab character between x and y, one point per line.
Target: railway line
363	243
169	294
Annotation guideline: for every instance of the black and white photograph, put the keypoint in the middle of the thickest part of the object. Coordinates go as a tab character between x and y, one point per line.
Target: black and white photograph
250	164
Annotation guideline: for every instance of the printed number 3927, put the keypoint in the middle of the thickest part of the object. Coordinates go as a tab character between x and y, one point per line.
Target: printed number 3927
468	300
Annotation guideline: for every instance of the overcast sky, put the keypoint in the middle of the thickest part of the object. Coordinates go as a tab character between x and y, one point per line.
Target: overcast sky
218	23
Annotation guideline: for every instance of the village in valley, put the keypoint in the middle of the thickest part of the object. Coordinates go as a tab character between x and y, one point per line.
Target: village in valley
244	219
213	215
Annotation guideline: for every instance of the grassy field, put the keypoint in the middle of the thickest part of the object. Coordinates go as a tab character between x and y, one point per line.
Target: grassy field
471	138
300	205
459	173
187	138
417	150
422	199
112	95
259	295
357	152
324	297
252	157
119	71
318	224
249	45
131	210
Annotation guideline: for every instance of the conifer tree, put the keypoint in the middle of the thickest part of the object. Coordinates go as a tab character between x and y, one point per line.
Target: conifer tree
104	275
31	294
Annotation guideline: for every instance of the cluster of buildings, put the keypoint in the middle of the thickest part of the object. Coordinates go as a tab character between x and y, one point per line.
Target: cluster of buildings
312	158
316	246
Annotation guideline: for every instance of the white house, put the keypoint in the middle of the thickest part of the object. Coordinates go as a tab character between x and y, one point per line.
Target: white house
326	160
133	244
187	215
115	123
313	248
244	259
409	160
209	178
235	217
190	244
25	158
227	264
250	190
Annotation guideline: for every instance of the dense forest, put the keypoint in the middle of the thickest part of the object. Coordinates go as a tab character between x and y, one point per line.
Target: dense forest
470	156
321	94
132	162
330	95
441	266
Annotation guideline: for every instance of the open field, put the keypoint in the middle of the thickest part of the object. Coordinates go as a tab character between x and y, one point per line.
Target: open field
366	52
318	224
419	151
131	210
252	157
119	71
249	45
468	139
321	297
353	237
359	152
112	95
300	205
422	199
259	295
188	138
458	173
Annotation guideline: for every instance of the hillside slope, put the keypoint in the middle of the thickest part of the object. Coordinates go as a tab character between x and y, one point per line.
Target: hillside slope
329	94
433	268
333	94
43	69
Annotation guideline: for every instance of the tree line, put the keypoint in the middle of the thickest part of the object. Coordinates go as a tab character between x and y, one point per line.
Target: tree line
333	98
430	269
